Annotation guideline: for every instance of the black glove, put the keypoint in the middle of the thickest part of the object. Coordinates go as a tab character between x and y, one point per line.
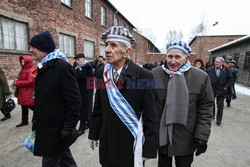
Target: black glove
201	146
69	135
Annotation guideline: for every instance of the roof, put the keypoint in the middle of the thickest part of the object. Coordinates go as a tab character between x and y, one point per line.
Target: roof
204	36
120	13
247	37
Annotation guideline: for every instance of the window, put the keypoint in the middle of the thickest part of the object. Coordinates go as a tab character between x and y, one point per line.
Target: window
67	2
88	8
89	49
67	44
116	21
102	50
236	58
13	35
103	16
247	61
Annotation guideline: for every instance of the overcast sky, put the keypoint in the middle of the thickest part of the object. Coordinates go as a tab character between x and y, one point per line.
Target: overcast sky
161	16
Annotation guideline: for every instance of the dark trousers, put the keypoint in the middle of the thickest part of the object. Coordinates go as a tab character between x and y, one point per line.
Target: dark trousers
229	96
65	159
233	92
220	107
25	113
180	161
5	115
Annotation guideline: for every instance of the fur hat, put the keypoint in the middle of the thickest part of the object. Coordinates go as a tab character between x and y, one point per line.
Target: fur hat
118	34
43	42
180	45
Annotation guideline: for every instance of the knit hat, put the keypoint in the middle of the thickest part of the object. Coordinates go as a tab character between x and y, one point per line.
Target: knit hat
199	60
180	45
118	34
219	59
80	55
43	42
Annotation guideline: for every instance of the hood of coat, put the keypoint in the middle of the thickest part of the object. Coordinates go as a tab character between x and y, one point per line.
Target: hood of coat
28	61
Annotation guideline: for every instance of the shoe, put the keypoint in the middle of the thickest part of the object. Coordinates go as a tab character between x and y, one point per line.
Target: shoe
218	123
5	118
228	105
22	124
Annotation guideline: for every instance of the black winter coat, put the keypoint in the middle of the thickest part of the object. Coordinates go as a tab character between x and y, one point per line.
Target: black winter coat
57	104
82	74
116	141
222	83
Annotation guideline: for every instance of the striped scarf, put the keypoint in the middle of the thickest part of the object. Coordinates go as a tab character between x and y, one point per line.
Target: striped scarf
176	106
81	65
56	54
126	114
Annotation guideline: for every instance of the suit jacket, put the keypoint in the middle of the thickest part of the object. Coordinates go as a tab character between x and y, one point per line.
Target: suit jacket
200	110
57	104
116	141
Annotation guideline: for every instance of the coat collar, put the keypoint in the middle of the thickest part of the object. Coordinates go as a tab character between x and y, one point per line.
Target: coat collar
133	70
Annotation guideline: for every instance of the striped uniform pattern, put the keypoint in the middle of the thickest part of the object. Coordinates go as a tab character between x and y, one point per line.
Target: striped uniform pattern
180	45
56	54
118	34
184	68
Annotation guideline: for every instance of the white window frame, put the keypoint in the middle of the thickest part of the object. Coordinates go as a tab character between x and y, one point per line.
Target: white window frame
67	2
88	8
102	50
89	49
103	16
67	44
13	35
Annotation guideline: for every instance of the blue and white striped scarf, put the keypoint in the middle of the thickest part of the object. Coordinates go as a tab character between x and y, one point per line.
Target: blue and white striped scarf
184	68
56	54
81	65
126	114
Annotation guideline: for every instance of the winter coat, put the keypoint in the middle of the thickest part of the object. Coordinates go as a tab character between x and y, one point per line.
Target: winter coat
200	110
116	141
26	82
82	73
57	105
221	85
4	88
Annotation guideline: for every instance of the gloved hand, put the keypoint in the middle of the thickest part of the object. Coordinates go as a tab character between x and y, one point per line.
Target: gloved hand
201	146
93	144
69	135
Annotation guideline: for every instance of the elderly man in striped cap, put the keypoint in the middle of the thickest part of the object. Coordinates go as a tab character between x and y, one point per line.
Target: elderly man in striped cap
124	118
185	106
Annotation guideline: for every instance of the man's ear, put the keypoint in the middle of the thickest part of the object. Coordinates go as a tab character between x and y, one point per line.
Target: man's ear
128	52
188	57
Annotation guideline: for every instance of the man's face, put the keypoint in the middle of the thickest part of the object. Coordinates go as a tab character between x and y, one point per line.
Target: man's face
176	59
116	54
79	61
218	64
100	59
38	55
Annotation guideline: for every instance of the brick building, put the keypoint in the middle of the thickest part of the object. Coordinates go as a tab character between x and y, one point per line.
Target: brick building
201	44
76	26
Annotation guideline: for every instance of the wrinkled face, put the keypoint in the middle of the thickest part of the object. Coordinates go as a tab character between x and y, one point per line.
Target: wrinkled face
176	59
197	65
218	64
38	55
116	53
79	61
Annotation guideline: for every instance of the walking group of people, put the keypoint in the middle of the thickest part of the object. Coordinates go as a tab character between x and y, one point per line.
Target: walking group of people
170	116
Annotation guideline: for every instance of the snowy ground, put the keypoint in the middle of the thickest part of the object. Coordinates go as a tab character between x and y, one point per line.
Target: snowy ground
242	89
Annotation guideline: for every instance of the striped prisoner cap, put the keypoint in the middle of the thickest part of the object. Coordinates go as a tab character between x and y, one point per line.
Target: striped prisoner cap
180	45
118	34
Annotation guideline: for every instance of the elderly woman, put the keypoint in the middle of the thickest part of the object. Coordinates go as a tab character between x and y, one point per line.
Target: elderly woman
198	63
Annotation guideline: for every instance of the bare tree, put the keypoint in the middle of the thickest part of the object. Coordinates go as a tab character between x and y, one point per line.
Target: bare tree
172	36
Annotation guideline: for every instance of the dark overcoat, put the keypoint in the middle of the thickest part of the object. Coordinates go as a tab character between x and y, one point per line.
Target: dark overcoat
222	83
57	104
200	110
4	88
116	141
82	75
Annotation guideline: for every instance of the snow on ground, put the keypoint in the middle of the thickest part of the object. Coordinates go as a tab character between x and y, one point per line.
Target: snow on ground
242	89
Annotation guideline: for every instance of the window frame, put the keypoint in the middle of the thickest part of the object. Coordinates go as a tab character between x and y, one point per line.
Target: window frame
89	9
16	37
87	49
101	52
247	61
65	3
103	16
68	45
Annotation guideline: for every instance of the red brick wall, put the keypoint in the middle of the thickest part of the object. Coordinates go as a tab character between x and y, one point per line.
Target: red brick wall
55	17
201	44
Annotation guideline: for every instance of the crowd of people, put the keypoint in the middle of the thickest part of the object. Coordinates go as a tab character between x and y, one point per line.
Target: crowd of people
130	122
